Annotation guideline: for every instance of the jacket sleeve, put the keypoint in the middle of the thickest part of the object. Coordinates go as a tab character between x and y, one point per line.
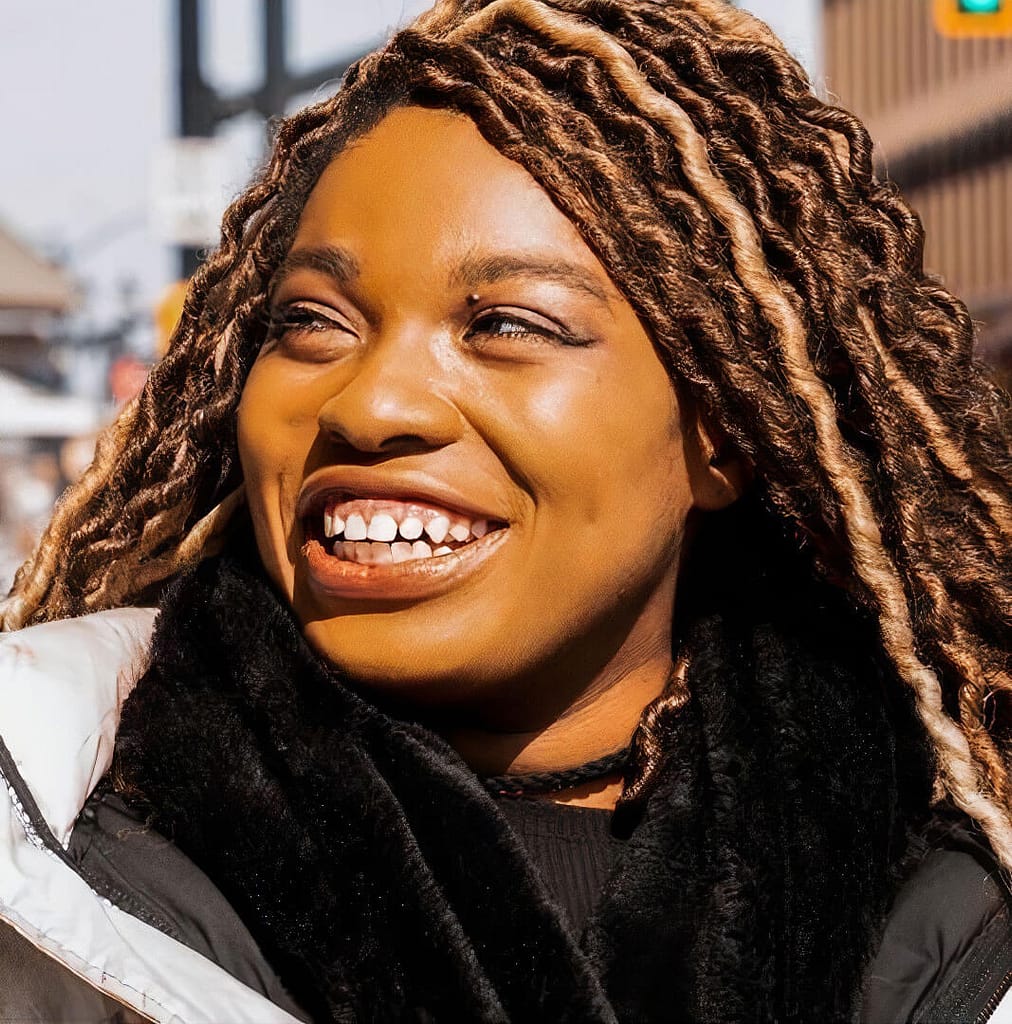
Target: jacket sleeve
35	989
946	953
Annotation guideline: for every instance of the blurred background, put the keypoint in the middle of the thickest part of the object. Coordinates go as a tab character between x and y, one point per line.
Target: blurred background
130	124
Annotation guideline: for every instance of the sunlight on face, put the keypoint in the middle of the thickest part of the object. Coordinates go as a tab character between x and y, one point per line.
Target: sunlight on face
464	460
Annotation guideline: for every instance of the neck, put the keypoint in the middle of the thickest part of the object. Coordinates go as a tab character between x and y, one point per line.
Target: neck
600	722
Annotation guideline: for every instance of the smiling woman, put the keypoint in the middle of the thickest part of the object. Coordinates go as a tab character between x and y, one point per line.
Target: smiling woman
560	571
465	370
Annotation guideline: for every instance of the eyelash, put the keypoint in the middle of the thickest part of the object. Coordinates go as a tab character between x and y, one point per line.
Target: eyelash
304	318
299	318
487	322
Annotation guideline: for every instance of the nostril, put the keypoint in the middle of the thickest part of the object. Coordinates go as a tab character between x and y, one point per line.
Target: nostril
385	411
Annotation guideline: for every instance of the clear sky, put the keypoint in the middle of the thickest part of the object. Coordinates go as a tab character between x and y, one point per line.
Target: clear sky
87	95
799	25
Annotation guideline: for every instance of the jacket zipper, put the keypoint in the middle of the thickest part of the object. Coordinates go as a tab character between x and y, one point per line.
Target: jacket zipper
992	1004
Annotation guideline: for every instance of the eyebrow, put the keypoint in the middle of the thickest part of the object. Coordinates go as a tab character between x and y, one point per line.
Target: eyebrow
476	270
473	272
330	260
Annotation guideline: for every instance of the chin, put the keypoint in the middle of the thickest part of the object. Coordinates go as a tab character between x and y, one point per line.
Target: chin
414	666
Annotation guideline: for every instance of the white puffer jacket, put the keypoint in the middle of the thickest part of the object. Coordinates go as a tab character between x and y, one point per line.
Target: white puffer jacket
61	687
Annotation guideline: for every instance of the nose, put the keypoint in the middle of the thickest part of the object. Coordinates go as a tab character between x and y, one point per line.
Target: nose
392	403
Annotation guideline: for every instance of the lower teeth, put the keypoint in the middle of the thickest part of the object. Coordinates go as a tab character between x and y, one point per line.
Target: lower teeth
381	553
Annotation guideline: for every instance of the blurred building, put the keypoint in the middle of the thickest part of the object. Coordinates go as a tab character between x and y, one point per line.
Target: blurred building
940	112
34	296
37	417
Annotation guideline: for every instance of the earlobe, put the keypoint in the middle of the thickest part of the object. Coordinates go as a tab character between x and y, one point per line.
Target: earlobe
728	477
721	474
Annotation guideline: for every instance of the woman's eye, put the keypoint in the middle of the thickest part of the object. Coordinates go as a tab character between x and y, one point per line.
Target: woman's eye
303	317
511	326
310	332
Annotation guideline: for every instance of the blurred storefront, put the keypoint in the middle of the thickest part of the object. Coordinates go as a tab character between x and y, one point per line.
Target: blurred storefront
940	111
39	422
34	297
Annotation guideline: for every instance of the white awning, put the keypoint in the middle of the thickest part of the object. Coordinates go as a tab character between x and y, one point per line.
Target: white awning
27	411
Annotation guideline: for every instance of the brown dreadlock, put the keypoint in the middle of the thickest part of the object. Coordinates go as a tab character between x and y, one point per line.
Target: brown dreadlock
782	284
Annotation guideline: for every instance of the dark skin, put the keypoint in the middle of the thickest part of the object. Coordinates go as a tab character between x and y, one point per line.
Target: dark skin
445	340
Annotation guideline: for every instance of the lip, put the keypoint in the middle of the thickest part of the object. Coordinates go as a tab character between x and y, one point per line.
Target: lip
412	580
417	488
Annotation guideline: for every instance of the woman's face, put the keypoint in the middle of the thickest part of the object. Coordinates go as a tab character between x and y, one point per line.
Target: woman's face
465	463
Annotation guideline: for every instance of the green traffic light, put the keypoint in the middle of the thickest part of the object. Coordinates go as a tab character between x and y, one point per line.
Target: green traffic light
980	6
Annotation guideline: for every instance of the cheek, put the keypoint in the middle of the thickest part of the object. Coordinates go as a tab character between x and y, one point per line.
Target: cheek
261	434
274	434
601	454
277	418
606	453
651	484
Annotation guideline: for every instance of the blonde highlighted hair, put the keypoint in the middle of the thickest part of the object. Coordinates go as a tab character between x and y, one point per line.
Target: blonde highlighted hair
781	281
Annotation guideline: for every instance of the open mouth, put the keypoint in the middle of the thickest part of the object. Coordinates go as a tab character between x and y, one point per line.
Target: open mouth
379	532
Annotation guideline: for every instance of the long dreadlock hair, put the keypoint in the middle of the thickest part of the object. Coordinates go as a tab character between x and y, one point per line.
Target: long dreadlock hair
782	284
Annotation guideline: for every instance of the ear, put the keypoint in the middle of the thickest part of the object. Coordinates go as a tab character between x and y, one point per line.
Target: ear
718	473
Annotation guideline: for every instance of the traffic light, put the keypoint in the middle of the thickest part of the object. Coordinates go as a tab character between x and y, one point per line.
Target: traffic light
967	18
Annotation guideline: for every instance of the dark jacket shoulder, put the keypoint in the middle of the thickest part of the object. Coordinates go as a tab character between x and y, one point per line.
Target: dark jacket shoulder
146	875
946	952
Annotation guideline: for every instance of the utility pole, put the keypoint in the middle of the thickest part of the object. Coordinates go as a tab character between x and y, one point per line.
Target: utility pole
202	109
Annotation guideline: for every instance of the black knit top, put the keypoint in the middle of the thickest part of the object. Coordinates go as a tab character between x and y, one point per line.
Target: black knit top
571	847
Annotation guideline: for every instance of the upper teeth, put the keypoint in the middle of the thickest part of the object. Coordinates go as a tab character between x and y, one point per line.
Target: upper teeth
411	528
438	528
354	528
384	526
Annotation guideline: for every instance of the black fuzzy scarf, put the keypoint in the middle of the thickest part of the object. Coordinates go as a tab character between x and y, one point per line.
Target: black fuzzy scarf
382	883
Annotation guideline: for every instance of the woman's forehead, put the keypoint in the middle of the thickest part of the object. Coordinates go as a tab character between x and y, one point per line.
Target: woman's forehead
424	189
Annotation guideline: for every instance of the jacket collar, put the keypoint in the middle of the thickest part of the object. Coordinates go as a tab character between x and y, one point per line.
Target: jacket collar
62	687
